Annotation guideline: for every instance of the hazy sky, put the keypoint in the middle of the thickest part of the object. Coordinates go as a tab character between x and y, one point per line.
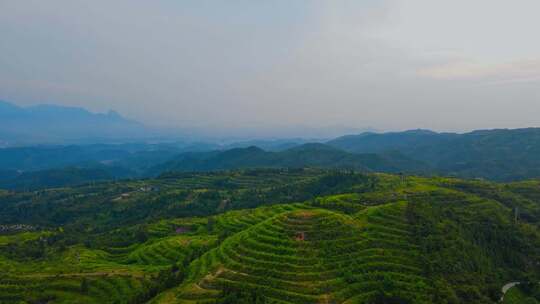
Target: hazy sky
227	64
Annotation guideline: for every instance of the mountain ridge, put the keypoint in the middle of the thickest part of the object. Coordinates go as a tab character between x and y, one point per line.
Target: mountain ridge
500	154
307	155
46	123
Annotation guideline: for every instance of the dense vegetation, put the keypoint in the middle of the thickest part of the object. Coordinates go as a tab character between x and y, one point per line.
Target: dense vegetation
271	236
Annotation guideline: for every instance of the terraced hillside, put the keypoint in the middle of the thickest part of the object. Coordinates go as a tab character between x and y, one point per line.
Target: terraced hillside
95	288
315	256
270	237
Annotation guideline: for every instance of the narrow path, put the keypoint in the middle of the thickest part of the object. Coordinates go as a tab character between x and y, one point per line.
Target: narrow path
82	274
507	287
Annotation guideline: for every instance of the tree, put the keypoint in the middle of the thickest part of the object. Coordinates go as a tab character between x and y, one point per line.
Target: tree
210	224
84	286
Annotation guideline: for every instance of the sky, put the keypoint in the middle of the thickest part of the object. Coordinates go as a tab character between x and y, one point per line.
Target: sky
271	67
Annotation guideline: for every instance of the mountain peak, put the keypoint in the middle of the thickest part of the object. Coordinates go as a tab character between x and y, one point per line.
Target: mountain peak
247	150
114	114
7	108
420	132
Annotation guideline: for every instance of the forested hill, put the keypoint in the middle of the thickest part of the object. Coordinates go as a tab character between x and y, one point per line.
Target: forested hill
494	154
272	236
307	155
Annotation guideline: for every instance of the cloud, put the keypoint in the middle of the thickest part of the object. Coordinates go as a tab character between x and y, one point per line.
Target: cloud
498	73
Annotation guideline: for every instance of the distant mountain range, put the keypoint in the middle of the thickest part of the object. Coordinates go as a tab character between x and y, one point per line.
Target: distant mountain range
307	155
54	124
59	124
501	154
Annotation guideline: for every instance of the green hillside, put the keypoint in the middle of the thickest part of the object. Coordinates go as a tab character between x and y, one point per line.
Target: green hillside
315	256
270	236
